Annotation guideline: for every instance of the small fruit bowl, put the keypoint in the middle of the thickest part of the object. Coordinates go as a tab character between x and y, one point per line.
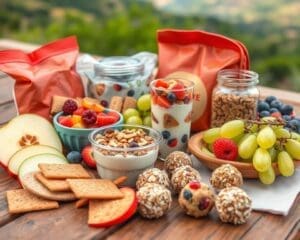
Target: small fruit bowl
124	150
75	139
196	144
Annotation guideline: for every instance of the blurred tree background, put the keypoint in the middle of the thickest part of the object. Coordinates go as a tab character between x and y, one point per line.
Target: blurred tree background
269	29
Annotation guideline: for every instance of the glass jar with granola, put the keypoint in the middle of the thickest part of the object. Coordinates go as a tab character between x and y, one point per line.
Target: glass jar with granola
235	96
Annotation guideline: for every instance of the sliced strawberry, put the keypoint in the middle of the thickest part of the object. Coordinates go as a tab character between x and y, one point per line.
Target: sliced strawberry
104	120
178	90
172	142
161	83
163	102
79	111
65	121
87	156
113	114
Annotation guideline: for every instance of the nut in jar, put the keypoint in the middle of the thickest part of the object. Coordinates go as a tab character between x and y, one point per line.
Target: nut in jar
235	96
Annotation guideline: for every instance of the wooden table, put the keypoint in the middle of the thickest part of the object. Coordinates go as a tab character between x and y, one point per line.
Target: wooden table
67	222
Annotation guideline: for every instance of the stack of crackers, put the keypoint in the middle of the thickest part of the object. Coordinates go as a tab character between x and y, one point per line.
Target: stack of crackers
61	182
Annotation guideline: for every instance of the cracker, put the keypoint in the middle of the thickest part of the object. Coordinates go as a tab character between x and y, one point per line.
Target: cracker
21	201
30	183
170	121
53	184
129	102
63	171
95	189
116	103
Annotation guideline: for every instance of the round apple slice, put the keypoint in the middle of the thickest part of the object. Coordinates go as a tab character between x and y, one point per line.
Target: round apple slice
31	164
19	157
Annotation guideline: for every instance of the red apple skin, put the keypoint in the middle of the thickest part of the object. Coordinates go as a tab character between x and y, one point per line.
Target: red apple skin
128	214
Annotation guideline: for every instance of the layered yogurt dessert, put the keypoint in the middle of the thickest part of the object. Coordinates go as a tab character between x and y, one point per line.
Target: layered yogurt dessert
171	111
124	150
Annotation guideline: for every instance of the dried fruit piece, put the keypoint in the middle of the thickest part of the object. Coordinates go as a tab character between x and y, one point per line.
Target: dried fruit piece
170	121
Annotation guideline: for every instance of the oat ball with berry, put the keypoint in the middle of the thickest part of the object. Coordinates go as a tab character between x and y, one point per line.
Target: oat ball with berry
182	176
226	176
175	160
196	199
153	175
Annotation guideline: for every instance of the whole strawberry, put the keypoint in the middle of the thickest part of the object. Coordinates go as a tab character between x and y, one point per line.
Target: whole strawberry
69	107
226	149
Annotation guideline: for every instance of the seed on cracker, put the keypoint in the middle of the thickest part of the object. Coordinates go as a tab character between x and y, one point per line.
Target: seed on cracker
21	201
53	184
116	103
63	171
95	189
129	102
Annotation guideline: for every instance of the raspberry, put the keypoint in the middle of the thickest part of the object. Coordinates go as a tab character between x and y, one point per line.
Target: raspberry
204	203
225	149
69	107
89	117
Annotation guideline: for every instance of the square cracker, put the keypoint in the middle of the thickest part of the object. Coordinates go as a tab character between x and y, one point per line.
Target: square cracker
21	201
63	171
95	189
53	184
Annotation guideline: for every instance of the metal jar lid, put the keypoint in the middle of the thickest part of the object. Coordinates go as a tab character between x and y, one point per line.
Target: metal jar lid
118	66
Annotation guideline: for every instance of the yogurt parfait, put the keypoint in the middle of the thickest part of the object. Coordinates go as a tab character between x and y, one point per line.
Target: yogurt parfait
124	150
171	111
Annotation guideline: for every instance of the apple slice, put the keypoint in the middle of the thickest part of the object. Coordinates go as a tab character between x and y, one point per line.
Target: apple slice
31	164
18	158
105	213
25	130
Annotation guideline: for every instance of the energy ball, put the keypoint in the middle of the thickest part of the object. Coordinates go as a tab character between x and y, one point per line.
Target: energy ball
176	159
233	205
226	176
182	176
154	200
153	175
196	199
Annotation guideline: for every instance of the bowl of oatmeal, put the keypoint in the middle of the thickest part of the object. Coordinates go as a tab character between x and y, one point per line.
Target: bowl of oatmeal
124	150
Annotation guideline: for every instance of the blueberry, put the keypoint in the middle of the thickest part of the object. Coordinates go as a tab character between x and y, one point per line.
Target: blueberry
130	93
263	106
187	194
287	117
294	124
270	99
264	114
275	104
104	103
74	157
286	109
273	110
184	138
171	97
166	134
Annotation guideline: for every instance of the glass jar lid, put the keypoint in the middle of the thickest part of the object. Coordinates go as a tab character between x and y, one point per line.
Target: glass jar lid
119	66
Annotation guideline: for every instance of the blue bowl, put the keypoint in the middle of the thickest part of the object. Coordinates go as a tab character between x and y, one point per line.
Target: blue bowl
75	139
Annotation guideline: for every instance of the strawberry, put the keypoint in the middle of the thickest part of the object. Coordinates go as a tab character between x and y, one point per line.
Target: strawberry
172	142
87	156
163	102
226	149
161	83
117	87
79	111
65	121
103	120
113	114
178	90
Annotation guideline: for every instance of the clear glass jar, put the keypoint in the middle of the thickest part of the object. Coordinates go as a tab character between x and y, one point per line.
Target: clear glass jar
235	96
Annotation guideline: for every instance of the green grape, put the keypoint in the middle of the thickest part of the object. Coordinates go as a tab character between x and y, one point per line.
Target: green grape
271	120
261	160
144	102
211	135
254	128
282	133
232	128
145	113
147	121
239	138
266	138
247	147
130	112
292	146
207	152
273	153
285	164
134	120
296	136
267	177
210	147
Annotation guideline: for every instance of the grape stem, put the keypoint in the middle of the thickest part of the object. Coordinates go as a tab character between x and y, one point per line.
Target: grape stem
277	123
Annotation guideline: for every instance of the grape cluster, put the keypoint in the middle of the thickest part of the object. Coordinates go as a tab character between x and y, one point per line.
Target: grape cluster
271	106
261	143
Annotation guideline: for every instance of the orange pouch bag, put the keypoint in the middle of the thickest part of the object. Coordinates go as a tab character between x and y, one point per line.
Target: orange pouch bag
43	73
198	56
